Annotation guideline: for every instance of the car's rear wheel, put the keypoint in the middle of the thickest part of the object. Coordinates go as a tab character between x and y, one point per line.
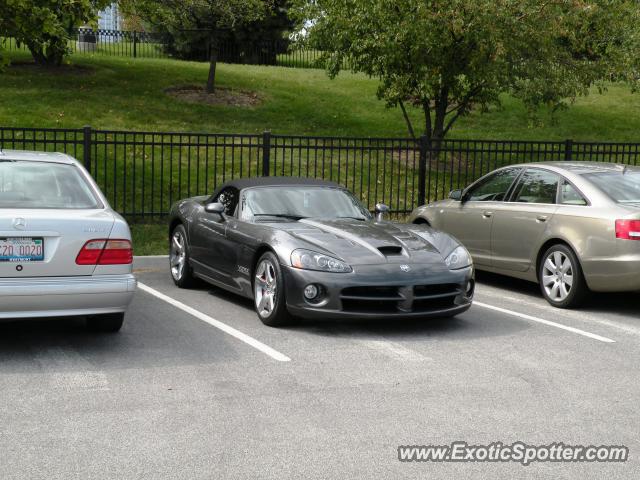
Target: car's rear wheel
268	291
107	323
181	272
561	280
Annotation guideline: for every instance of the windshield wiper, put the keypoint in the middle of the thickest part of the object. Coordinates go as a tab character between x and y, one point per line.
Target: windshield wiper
280	215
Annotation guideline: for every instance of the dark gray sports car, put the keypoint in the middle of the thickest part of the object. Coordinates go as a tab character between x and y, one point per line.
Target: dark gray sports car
308	248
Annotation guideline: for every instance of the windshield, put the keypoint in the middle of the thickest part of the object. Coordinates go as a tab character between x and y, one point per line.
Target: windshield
621	187
25	184
294	203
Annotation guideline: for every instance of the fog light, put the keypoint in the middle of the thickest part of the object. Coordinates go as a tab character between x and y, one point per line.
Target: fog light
310	292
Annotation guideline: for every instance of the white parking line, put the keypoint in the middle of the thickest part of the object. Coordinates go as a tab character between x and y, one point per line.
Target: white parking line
243	337
394	350
544	322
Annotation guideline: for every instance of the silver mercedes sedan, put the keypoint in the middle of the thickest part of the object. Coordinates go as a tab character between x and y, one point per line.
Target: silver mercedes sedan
63	250
570	226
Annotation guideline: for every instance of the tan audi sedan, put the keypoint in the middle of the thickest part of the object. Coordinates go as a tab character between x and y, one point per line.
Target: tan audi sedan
570	226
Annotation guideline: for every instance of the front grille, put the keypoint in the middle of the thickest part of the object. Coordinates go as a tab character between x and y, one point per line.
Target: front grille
374	293
429	291
409	299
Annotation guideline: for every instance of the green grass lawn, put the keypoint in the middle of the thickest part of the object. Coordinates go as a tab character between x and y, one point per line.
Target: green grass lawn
125	93
129	94
150	239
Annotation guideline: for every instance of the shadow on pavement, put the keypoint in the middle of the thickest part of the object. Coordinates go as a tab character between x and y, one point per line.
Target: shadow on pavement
624	303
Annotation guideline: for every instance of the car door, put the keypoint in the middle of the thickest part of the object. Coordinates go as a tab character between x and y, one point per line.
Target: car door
519	223
214	253
470	220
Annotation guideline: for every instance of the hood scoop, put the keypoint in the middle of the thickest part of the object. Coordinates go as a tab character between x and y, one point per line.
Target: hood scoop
390	251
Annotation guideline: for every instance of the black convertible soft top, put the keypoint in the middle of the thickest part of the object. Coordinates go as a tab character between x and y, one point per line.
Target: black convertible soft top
242	183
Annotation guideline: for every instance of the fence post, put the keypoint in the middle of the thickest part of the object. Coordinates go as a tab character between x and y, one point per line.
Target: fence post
86	147
135	44
422	172
266	152
568	150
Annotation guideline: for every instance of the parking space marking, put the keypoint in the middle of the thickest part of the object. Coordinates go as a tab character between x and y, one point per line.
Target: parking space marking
243	337
545	322
394	350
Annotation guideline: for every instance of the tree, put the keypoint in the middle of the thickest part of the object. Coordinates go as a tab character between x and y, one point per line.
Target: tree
259	41
45	26
215	18
448	57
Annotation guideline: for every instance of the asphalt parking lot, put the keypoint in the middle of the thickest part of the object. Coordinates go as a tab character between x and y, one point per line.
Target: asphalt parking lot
200	389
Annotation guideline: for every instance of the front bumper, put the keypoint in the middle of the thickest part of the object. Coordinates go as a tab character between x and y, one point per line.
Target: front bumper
65	296
381	291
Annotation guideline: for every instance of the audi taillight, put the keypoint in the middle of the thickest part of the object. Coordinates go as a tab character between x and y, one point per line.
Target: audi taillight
628	229
104	251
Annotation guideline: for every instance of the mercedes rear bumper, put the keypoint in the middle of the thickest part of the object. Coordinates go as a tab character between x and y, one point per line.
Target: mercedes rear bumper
65	296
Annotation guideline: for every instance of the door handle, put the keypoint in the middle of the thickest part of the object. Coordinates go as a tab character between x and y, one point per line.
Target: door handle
487	214
542	218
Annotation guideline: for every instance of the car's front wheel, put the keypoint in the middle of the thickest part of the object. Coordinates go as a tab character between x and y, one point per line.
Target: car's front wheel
268	291
106	323
179	258
561	279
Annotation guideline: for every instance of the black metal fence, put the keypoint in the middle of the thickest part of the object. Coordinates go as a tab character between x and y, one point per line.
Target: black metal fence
133	44
143	173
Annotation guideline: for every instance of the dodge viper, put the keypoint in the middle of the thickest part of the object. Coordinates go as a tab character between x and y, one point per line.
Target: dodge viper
308	248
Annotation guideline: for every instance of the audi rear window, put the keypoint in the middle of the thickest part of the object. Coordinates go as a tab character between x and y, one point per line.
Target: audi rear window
25	184
621	187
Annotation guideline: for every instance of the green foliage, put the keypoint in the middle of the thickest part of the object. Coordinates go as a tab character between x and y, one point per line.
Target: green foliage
213	19
258	41
44	26
449	57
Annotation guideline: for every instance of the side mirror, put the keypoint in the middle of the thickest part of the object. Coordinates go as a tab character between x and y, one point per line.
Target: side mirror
214	207
455	195
381	211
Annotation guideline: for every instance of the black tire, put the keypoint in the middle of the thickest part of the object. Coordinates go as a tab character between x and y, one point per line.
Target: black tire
106	323
271	314
182	277
553	277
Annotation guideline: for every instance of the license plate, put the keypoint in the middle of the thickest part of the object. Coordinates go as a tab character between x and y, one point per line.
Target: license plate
21	249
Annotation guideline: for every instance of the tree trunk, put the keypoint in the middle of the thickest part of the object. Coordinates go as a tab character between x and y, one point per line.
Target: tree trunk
47	57
213	60
37	53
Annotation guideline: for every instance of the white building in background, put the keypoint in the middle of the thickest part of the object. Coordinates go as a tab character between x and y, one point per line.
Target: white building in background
110	18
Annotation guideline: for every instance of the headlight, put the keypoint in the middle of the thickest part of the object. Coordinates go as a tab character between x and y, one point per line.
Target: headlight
308	260
457	259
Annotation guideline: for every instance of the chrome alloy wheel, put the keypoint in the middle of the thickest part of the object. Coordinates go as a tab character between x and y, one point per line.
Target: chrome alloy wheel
177	255
557	276
265	288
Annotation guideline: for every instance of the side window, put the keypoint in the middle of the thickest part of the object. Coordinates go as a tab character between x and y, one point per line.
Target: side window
536	186
493	188
570	196
229	198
